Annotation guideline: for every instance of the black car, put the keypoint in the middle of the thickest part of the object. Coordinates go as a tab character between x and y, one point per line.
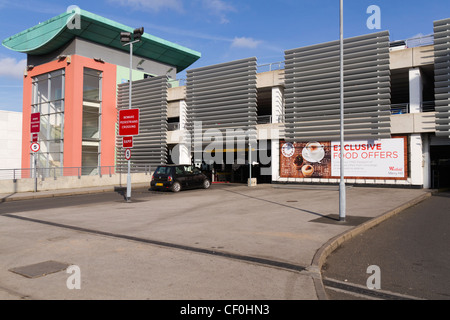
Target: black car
178	177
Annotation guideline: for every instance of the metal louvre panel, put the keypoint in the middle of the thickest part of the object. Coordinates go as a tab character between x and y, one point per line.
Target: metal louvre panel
223	97
150	146
442	76
312	90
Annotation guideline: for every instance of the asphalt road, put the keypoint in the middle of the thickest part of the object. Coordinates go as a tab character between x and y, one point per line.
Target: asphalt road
411	250
138	194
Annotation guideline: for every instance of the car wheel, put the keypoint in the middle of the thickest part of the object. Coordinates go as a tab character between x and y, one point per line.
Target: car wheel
206	184
176	187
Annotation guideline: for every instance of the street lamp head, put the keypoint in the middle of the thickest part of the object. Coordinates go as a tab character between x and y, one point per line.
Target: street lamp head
125	36
137	33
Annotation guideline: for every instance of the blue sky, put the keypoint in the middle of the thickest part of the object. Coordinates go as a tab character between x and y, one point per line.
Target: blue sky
222	30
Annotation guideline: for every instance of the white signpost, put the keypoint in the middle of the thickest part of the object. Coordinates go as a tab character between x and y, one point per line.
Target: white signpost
35	128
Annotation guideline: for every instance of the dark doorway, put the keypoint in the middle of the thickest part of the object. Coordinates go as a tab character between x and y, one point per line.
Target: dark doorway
235	171
440	167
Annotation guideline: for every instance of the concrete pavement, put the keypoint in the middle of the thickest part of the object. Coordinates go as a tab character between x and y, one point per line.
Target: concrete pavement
231	242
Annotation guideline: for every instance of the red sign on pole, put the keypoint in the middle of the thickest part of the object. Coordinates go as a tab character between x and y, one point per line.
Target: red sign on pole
127	142
35	126
129	122
127	154
35	147
35	137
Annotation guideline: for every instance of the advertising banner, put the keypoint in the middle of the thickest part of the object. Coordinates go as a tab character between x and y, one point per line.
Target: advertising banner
383	158
376	159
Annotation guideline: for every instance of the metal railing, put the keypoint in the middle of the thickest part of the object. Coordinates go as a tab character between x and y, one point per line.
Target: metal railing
173	126
420	41
402	108
270	66
428	106
58	172
264	119
260	68
178	83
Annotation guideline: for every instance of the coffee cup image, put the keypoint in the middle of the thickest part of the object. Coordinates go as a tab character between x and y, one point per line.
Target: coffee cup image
313	152
307	170
314	147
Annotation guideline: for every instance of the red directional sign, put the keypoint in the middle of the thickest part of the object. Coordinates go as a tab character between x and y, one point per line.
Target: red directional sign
127	142
35	125
129	122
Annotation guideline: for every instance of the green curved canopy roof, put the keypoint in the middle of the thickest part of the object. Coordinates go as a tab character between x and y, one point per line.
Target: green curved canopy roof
56	32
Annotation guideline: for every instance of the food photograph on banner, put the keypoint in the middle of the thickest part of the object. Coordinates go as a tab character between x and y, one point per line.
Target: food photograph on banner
375	159
305	159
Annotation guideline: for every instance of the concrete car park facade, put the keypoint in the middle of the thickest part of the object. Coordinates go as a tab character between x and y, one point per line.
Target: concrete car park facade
236	120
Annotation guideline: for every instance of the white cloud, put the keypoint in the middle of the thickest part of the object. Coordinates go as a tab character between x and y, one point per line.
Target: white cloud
244	42
215	8
219	8
151	5
10	67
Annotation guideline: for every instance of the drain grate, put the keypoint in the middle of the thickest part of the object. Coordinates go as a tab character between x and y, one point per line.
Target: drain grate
40	269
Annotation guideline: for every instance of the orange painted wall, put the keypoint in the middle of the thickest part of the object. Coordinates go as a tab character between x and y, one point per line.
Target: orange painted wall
26	108
73	112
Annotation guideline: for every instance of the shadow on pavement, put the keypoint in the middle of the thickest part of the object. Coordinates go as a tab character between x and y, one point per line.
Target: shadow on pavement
284	205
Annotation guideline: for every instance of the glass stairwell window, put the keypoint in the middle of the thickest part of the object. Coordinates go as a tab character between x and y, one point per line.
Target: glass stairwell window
48	100
92	110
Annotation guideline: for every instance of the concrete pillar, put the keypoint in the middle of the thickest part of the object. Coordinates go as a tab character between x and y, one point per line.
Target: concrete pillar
275	159
185	154
426	161
181	152
277	117
415	90
419	147
416	160
183	114
277	104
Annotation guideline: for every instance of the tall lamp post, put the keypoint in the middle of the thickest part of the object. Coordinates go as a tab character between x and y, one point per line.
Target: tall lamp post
342	196
125	38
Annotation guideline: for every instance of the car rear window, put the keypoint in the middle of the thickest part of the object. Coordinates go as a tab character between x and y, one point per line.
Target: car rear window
163	170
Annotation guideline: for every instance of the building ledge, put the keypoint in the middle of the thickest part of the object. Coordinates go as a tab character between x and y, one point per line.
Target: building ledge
423	122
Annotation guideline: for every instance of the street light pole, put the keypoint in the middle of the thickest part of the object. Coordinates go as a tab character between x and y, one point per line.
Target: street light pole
126	37
342	196
129	107
250	164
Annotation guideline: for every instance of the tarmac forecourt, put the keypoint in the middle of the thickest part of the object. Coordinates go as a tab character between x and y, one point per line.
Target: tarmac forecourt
228	242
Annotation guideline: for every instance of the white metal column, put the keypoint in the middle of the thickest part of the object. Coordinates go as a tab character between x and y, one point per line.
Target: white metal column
184	146
277	105
416	143
415	90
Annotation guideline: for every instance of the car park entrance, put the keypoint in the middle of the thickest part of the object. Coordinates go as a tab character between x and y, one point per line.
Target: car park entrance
233	166
440	166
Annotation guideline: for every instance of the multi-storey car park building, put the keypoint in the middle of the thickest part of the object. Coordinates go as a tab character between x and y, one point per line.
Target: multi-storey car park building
285	121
